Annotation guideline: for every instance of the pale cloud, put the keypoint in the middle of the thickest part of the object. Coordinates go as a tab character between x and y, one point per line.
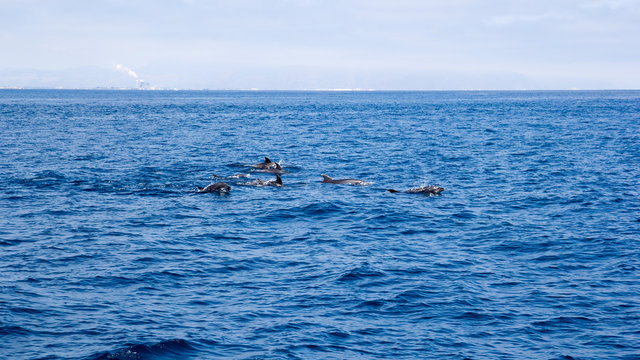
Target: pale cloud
312	43
611	4
530	19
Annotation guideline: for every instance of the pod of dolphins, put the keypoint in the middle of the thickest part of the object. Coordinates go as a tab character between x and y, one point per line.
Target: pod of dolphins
268	166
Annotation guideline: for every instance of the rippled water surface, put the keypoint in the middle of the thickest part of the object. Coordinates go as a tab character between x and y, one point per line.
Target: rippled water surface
532	251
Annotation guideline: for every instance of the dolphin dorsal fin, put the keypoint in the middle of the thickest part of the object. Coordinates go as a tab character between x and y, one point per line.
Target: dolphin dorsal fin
325	178
278	180
278	166
266	159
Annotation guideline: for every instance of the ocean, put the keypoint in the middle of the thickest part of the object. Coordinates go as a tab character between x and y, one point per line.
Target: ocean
108	252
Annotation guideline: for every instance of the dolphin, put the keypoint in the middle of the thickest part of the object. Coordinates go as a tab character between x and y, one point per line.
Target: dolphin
274	170
326	179
258	182
426	190
266	164
218	187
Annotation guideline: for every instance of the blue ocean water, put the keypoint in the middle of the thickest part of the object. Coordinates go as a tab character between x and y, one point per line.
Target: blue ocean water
531	252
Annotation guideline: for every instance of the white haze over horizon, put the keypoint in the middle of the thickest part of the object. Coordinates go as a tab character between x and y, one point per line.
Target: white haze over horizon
313	44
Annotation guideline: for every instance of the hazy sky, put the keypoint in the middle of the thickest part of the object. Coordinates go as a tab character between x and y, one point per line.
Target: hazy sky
312	44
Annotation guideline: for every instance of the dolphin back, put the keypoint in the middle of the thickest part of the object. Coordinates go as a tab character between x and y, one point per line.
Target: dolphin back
217	187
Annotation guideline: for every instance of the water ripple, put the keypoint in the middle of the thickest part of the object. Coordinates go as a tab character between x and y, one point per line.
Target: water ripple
107	252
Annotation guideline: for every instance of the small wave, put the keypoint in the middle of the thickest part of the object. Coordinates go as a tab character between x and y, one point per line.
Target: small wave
169	349
414	295
563	322
360	273
13	330
104	186
320	209
244	265
90	157
313	350
156	191
472	315
43	180
316	210
338	334
375	304
465	214
25	310
418	231
161	276
49	174
9	242
564	357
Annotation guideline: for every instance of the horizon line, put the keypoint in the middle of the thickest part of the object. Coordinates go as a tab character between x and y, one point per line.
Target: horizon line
300	90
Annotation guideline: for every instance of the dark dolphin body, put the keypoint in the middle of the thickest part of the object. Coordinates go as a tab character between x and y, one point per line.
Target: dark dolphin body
274	170
326	179
426	190
218	187
258	182
266	164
